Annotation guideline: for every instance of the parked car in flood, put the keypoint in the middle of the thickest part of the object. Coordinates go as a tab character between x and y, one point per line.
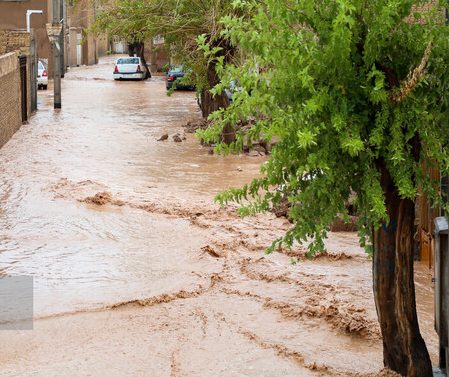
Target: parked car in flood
42	76
174	76
130	68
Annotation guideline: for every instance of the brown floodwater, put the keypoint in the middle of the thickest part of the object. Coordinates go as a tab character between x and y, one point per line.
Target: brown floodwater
138	273
104	139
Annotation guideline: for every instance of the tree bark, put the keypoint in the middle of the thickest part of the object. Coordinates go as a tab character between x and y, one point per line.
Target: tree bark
210	103
394	289
138	49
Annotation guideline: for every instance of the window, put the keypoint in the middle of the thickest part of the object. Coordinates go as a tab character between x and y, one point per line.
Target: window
128	61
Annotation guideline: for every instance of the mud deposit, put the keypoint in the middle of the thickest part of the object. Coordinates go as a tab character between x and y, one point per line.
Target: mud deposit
138	273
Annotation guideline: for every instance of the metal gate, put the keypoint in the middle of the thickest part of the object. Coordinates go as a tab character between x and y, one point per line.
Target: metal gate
23	87
119	46
79	51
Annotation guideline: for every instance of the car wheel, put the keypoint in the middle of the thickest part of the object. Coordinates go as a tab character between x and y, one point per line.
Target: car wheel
44	87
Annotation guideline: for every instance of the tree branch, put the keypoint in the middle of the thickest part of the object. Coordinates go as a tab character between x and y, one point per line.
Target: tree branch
413	78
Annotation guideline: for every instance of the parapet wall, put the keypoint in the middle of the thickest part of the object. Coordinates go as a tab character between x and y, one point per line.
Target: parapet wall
10	96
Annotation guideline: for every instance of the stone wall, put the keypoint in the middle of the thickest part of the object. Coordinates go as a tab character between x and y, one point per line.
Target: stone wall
10	96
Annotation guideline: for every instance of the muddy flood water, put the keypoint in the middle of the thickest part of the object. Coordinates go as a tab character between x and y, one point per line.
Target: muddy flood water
138	273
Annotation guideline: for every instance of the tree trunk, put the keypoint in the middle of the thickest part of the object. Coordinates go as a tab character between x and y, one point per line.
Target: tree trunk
394	289
210	103
138	49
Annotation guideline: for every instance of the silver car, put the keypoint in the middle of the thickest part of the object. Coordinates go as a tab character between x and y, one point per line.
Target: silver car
42	76
130	68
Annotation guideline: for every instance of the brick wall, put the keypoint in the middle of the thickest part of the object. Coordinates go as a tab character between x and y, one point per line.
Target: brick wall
14	40
10	100
426	8
19	41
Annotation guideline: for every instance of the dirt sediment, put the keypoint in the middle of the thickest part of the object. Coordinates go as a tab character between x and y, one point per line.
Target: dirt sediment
236	244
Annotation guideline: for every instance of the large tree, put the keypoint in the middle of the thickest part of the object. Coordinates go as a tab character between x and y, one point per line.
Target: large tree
180	22
355	94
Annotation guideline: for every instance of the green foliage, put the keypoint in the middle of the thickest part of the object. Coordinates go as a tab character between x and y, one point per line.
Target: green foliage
337	85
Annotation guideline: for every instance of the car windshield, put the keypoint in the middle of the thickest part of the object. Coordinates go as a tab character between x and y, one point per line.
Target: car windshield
41	66
128	61
176	69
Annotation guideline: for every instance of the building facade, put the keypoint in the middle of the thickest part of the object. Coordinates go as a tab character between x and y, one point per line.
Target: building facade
79	47
13	17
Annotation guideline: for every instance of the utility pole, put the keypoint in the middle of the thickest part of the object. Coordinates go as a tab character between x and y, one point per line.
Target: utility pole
57	19
62	37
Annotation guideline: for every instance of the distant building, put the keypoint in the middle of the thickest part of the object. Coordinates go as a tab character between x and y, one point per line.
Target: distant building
80	48
83	48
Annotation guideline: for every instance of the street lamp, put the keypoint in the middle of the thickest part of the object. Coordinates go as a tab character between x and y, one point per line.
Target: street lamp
28	14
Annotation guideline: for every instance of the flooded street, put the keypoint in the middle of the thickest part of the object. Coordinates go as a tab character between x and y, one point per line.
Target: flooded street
138	273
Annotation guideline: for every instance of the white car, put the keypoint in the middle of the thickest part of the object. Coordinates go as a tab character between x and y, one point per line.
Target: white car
130	68
42	76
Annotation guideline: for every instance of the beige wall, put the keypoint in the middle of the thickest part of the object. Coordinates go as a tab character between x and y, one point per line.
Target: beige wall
102	45
10	105
89	50
71	47
157	55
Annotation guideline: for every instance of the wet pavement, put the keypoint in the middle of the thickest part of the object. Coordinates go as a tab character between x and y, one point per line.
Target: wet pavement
138	273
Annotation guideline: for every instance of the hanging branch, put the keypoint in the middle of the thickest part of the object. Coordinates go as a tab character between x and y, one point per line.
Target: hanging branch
413	77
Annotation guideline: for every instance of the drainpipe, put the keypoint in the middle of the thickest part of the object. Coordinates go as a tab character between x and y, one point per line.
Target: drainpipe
28	14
